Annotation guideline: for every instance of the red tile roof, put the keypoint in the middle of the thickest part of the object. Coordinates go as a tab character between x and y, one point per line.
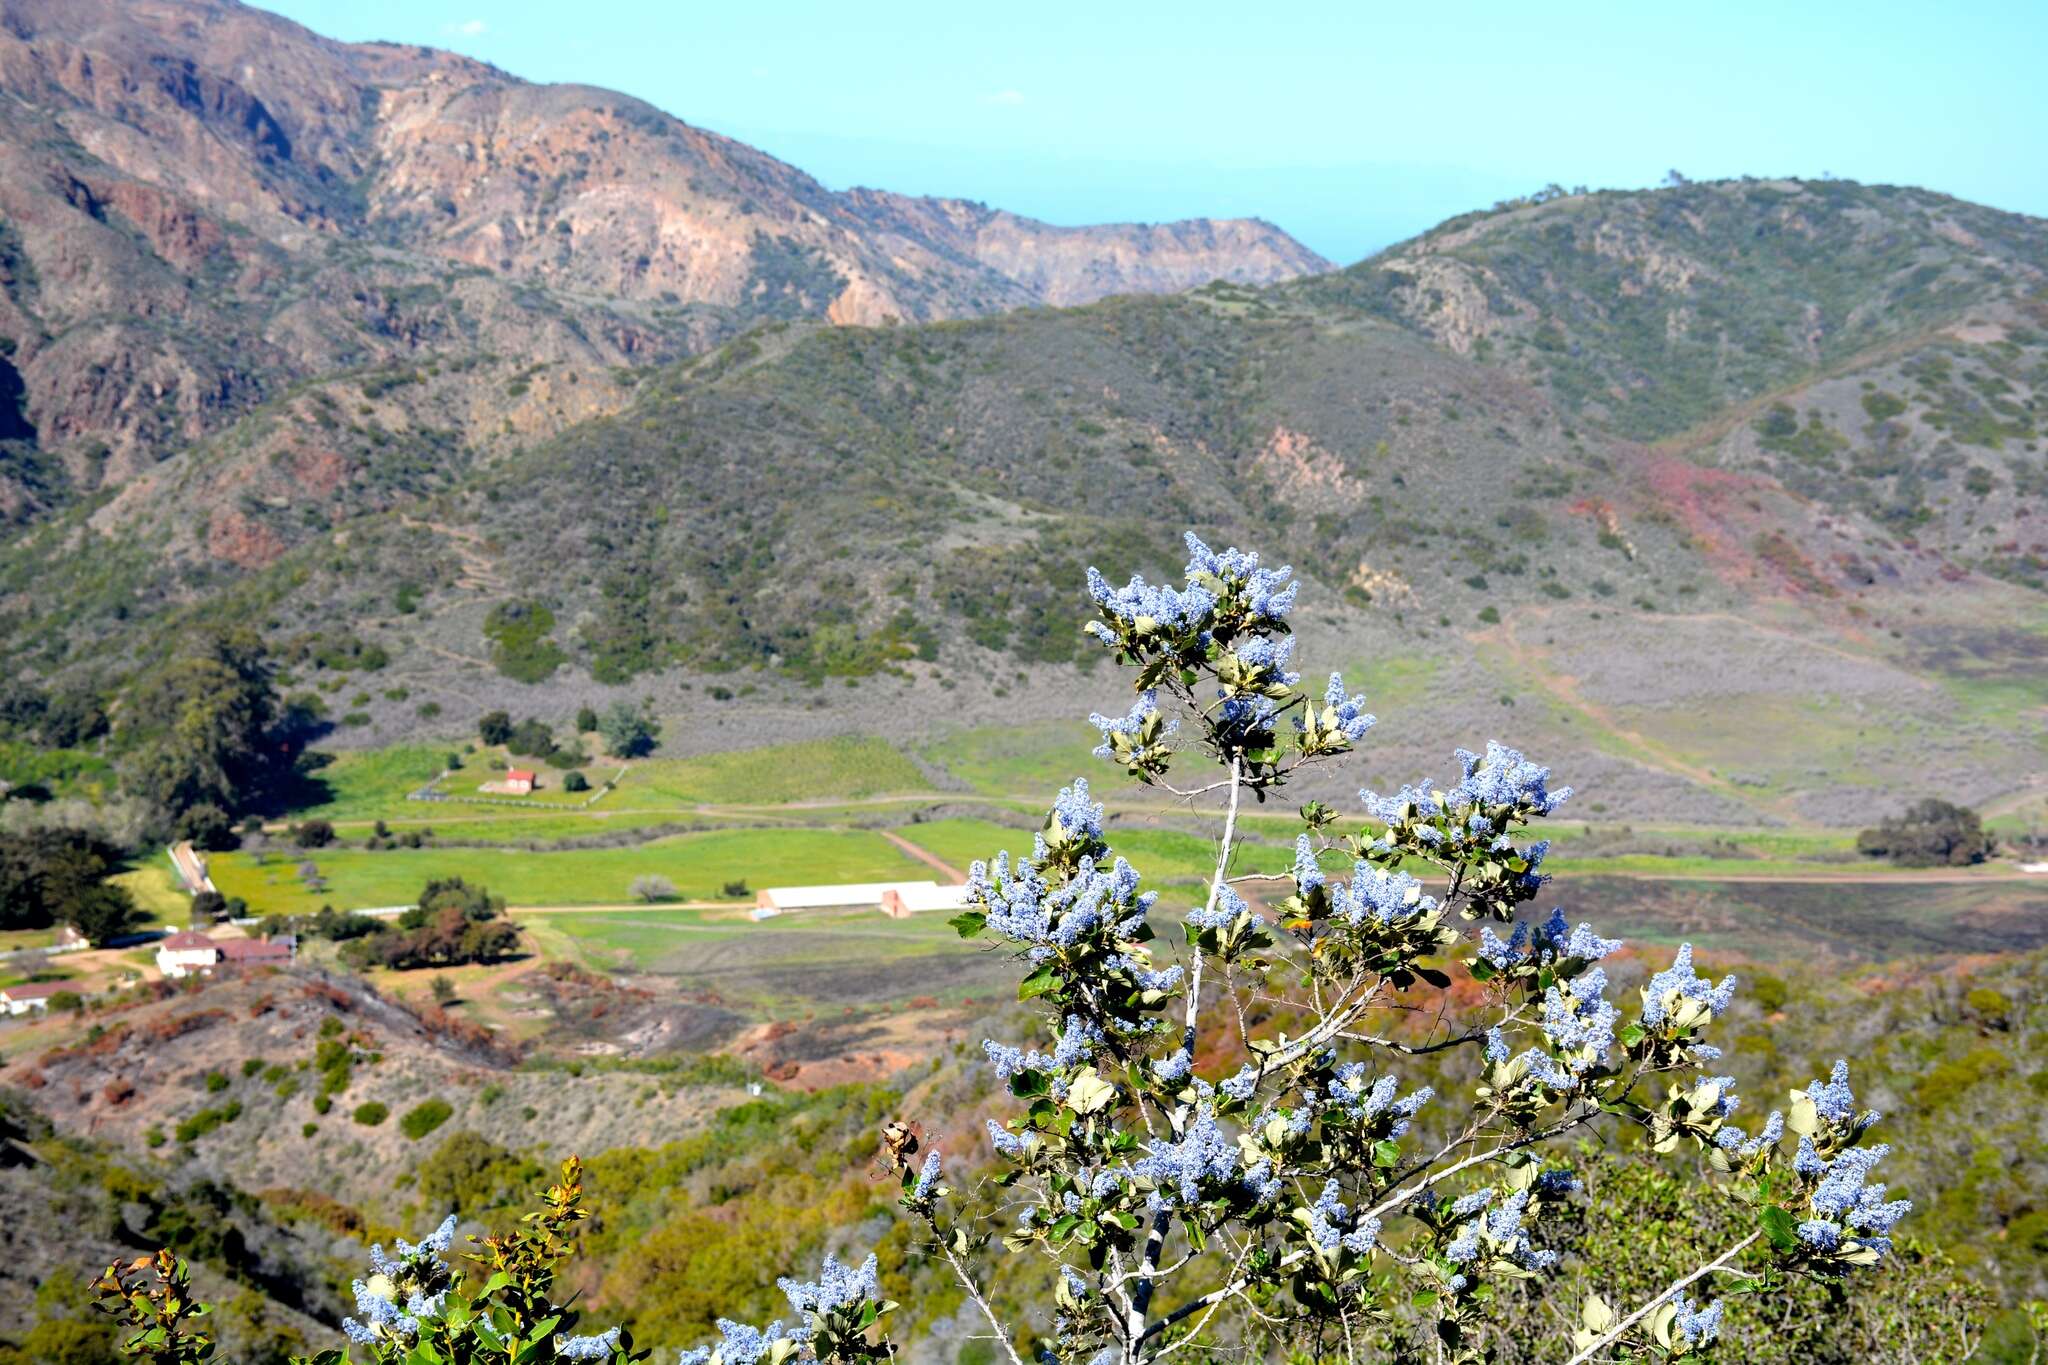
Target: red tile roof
518	775
37	990
187	941
253	950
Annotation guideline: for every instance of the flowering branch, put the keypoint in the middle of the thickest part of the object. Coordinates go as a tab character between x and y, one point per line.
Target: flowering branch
1669	1295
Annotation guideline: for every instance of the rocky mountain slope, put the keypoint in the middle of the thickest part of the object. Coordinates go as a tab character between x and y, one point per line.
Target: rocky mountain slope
202	204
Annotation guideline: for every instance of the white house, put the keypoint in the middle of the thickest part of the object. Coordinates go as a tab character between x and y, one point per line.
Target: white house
34	995
184	953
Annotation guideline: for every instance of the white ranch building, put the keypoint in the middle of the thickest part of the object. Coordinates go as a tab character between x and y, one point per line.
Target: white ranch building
185	953
32	995
897	899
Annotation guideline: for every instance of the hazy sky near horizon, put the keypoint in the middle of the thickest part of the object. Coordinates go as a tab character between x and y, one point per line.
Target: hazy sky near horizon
1350	125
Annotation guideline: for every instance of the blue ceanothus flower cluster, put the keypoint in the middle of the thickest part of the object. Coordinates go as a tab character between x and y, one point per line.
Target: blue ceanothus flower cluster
402	1289
835	1317
1225	1106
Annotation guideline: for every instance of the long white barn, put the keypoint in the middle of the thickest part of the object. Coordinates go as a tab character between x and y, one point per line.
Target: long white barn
893	898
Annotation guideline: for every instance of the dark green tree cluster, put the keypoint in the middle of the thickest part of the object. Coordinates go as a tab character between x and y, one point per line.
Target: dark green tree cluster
57	717
60	876
1931	833
454	923
629	731
207	738
337	926
530	738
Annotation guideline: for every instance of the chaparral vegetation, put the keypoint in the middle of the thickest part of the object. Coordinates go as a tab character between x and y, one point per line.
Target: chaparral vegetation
1325	1197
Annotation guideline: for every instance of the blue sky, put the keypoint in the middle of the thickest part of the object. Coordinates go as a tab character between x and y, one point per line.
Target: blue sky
1352	125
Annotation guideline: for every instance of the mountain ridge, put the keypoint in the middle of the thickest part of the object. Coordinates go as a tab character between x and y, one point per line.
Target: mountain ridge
206	203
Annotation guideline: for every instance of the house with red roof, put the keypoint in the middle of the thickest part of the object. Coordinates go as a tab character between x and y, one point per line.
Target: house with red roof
520	781
32	995
185	953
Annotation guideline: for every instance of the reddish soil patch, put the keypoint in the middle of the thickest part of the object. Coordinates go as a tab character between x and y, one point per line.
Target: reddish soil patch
319	472
241	541
1720	510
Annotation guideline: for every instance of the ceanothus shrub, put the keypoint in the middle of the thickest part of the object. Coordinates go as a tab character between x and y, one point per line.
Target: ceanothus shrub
1315	1201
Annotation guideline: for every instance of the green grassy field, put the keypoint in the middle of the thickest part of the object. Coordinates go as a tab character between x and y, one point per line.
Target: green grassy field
698	864
370	784
790	965
1164	856
848	767
807	793
457	824
361	786
1023	760
157	893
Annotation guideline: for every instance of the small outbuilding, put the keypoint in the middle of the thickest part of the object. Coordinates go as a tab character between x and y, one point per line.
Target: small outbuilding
520	781
921	897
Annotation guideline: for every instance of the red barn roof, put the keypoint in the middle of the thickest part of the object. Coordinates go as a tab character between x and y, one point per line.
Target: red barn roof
37	990
518	775
187	941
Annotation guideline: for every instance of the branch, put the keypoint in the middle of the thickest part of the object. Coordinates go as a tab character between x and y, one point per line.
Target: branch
1148	1265
1216	1296
1415	1049
1392	1201
1529	1139
1195	1332
1718	1263
974	1292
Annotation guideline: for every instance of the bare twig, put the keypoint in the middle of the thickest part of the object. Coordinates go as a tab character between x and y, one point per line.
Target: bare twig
974	1292
1615	1332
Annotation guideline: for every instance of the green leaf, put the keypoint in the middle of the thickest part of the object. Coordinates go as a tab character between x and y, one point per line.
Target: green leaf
1778	1226
969	923
1038	983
